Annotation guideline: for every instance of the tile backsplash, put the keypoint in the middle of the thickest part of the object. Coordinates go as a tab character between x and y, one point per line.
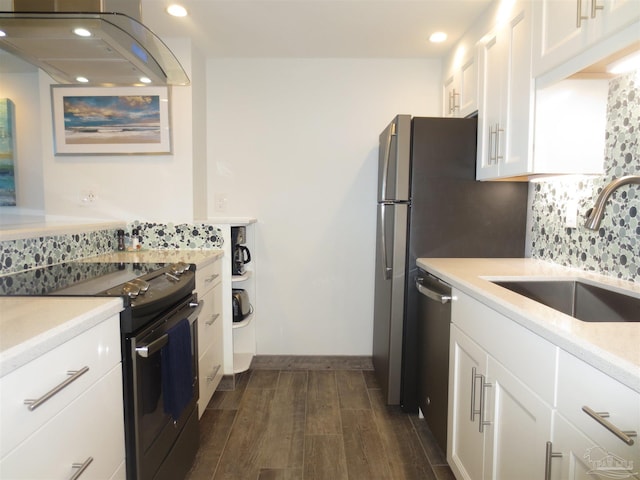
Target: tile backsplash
24	254
615	248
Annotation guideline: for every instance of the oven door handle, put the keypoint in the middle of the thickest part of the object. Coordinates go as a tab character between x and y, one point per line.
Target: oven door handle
197	306
145	351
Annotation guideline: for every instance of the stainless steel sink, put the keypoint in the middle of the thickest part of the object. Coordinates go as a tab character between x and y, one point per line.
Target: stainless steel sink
586	302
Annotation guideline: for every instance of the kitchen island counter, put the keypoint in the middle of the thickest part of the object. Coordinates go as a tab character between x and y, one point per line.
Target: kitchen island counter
613	348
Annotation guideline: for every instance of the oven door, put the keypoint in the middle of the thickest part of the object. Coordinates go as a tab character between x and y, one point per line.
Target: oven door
157	433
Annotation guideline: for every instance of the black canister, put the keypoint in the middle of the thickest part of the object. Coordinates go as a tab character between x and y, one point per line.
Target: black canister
120	240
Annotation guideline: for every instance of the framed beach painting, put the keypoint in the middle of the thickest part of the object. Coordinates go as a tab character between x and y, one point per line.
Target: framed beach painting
7	153
110	120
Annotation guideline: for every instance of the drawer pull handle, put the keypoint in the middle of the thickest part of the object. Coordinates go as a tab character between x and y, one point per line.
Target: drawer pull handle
211	278
75	374
601	417
212	376
81	468
214	317
549	454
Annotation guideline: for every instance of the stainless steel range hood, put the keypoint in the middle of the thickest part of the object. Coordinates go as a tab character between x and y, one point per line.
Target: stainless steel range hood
117	48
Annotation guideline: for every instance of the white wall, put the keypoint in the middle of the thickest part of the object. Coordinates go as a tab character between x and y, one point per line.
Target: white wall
294	143
146	187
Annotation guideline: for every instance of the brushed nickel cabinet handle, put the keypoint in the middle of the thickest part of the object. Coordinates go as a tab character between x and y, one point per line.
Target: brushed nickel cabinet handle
483	423
211	278
498	156
549	454
579	16
214	317
595	7
75	375
81	468
211	377
474	377
601	417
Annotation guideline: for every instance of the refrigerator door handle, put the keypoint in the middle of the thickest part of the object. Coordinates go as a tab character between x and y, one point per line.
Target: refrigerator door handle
387	156
383	242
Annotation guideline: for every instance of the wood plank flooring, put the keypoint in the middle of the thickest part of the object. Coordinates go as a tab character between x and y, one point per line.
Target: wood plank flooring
324	423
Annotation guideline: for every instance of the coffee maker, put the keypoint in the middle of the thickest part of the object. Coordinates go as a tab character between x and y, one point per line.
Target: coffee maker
241	254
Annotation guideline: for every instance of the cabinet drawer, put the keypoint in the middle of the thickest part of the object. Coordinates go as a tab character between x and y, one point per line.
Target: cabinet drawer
209	373
210	317
97	348
579	385
208	276
90	426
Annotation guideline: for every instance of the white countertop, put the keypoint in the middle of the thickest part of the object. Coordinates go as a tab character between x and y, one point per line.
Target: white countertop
613	348
32	326
199	257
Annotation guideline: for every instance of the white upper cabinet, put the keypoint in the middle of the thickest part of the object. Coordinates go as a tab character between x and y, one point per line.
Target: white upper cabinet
505	114
461	89
565	28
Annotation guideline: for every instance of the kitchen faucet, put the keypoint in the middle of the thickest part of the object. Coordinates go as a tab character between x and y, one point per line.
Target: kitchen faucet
594	215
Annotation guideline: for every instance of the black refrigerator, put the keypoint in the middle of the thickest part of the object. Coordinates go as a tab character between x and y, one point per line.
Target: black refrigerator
430	205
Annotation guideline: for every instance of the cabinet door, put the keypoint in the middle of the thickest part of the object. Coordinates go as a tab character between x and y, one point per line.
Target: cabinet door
567	27
465	443
451	97
514	145
578	457
559	36
519	427
490	111
468	87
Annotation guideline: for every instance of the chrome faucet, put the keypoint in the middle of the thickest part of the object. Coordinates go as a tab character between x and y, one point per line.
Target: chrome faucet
594	215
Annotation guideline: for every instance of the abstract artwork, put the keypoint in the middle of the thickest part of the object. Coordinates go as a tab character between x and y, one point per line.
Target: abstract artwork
7	153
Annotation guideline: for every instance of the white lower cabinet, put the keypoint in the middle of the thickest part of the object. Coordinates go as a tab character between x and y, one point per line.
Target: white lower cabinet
210	342
498	427
78	420
522	408
89	431
603	442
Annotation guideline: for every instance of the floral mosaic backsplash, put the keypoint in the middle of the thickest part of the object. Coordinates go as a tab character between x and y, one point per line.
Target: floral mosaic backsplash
615	248
24	254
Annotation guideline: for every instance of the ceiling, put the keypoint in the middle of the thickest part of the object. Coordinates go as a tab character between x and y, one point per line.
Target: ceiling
316	28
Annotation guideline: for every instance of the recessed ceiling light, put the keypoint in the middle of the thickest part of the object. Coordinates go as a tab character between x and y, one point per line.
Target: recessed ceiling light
82	32
438	37
176	10
145	79
82	79
2	34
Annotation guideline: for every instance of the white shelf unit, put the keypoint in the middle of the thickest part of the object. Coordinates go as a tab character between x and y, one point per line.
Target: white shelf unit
239	338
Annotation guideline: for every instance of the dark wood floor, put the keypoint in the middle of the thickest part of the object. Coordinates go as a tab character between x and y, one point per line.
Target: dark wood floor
324	423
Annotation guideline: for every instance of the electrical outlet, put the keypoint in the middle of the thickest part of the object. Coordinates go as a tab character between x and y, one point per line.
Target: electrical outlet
571	213
221	201
88	197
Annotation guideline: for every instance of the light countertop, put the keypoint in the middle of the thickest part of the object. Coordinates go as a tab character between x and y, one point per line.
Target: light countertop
613	348
198	257
32	326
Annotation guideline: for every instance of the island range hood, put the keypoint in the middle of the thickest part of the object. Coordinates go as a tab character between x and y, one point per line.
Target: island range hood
89	42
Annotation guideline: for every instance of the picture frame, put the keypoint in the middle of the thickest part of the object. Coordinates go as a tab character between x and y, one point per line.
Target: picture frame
7	153
110	120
